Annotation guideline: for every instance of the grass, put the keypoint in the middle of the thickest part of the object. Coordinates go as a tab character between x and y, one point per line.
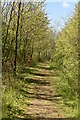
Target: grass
35	85
14	100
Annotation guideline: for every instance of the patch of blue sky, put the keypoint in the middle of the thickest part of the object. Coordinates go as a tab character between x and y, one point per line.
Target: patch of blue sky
59	12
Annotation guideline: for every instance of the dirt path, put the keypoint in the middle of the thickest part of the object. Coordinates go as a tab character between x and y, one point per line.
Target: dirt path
41	94
42	99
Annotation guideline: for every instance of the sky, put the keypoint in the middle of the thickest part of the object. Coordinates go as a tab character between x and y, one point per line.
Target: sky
58	12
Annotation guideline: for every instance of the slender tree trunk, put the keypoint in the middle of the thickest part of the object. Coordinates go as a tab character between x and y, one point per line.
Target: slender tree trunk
21	23
24	48
38	56
3	7
31	51
24	52
17	37
8	26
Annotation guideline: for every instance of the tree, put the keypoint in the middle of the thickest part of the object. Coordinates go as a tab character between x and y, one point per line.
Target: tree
66	54
17	36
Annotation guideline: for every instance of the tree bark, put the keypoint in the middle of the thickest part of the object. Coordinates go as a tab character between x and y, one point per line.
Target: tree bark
17	37
21	23
8	25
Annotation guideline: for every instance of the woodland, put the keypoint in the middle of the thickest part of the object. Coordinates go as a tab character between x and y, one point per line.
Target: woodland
39	64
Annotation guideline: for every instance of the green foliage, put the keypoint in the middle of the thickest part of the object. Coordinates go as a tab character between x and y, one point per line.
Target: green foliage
13	97
33	36
26	34
66	57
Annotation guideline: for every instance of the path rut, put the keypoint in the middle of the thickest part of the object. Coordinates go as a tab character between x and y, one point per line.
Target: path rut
41	94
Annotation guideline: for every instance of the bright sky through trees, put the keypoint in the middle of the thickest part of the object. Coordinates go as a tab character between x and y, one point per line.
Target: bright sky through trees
39	65
59	12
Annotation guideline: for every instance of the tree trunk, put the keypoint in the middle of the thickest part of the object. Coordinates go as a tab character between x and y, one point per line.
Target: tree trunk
17	37
8	26
39	56
21	23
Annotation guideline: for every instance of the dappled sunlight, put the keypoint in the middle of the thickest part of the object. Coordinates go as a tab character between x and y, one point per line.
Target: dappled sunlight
39	60
43	101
